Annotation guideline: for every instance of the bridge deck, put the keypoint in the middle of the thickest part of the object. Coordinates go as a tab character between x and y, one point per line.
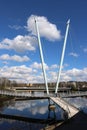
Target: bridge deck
40	94
71	110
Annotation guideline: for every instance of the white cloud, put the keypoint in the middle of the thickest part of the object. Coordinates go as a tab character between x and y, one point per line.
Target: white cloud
36	65
33	74
19	43
16	27
19	73
55	66
65	77
39	66
73	54
28	42
46	29
73	74
78	74
85	49
52	76
14	58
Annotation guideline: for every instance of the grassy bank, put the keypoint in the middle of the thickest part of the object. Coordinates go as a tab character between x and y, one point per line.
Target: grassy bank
5	98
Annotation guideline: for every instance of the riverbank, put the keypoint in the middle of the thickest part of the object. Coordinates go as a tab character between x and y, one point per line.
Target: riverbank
5	98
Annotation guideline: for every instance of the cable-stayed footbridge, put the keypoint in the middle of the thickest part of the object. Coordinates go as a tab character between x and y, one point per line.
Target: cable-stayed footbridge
69	109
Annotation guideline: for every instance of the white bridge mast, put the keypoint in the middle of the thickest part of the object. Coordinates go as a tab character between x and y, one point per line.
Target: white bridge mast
62	56
41	56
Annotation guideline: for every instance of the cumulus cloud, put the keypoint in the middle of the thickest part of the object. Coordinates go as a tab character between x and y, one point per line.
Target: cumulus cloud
68	75
18	73
73	54
39	66
36	65
28	42
19	43
78	74
46	29
33	74
55	66
14	58
23	73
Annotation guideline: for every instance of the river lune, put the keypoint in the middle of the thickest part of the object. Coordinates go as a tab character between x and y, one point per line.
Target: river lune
32	109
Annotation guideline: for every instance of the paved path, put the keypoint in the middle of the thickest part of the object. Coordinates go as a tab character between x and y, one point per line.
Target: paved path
71	110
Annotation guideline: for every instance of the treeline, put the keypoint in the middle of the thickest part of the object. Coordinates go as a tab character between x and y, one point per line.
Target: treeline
6	83
74	85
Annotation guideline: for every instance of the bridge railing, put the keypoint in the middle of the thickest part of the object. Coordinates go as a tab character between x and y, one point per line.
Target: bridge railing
28	94
70	94
64	106
14	93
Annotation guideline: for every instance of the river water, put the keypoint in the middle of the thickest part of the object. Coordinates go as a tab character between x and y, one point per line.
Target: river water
34	109
79	102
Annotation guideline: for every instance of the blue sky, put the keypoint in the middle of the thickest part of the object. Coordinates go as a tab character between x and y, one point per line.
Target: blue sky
19	52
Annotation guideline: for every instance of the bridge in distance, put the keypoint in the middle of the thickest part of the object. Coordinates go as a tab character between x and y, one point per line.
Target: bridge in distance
40	89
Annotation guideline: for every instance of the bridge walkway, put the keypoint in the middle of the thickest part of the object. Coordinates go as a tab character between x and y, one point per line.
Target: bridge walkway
40	94
71	110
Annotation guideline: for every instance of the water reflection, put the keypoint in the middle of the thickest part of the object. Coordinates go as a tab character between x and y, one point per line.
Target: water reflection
37	109
17	125
79	102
